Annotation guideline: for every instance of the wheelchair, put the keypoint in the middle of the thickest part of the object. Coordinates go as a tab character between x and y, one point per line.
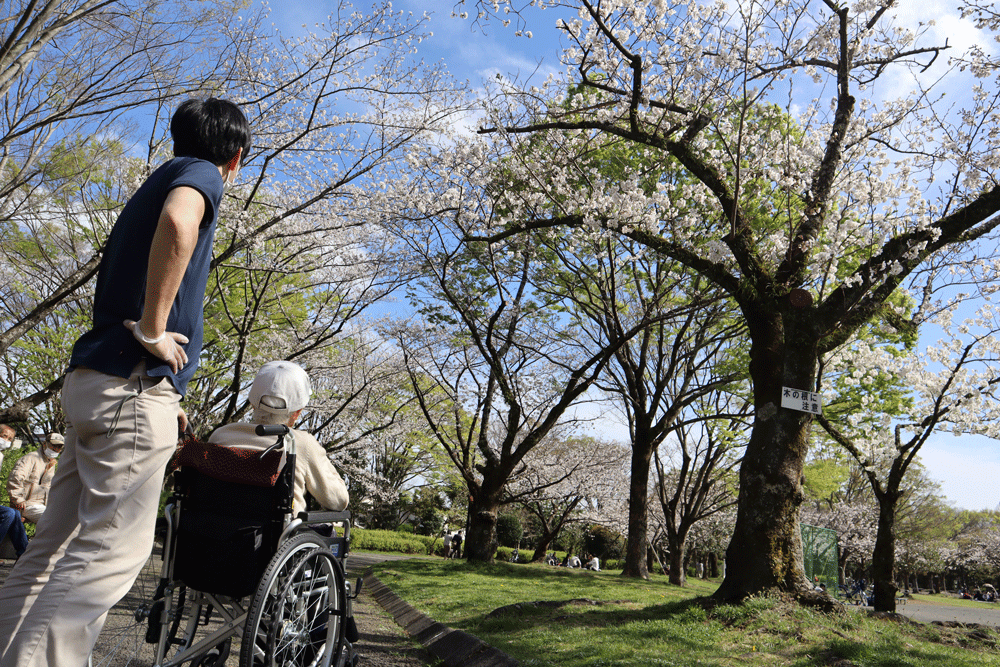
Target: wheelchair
238	571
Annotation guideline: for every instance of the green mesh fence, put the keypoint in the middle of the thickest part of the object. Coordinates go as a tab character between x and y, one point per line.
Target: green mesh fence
819	555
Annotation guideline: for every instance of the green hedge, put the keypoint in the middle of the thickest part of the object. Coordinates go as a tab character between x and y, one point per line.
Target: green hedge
391	541
387	540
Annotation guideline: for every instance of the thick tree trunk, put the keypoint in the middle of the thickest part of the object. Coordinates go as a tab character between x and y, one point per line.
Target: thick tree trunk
638	507
765	552
542	547
766	548
884	556
481	537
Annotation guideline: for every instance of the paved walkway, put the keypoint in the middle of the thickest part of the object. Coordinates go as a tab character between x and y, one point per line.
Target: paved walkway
988	614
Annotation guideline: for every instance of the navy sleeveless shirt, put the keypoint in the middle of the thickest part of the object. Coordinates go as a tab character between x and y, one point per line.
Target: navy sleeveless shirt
121	280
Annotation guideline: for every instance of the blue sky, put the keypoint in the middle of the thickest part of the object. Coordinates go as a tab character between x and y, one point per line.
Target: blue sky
967	467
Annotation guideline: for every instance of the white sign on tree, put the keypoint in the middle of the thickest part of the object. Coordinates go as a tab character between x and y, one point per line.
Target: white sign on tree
803	401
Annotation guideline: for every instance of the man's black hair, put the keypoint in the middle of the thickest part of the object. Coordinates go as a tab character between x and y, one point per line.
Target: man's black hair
210	129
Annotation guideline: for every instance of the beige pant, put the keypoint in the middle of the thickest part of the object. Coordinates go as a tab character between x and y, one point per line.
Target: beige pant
98	531
33	512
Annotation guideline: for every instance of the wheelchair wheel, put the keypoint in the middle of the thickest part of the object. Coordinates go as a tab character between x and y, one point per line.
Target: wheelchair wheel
296	616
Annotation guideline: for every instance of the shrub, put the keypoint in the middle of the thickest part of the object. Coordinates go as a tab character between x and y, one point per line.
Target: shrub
10	457
503	554
391	541
509	530
603	543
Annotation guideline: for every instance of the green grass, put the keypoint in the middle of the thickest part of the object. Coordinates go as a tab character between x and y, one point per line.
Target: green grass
654	623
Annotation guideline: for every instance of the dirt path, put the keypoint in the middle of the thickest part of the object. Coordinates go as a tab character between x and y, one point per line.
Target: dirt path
382	643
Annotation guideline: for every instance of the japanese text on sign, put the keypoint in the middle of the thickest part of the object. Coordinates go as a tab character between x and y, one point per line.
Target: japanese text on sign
803	401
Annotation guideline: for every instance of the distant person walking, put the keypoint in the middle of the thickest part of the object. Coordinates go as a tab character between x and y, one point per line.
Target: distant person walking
456	545
447	544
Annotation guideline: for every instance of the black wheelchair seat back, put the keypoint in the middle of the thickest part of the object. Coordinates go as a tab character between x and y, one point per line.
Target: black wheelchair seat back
227	530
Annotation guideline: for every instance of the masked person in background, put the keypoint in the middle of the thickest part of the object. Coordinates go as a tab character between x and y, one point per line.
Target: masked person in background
10	519
7	435
30	480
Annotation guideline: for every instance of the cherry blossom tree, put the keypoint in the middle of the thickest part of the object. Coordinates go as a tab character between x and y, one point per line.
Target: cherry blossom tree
951	387
569	480
492	339
808	218
679	356
695	476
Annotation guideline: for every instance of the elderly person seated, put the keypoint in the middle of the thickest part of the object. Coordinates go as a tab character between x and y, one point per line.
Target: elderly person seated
278	395
29	482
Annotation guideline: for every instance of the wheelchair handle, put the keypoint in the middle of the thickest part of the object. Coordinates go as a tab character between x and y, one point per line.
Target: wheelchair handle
281	431
271	429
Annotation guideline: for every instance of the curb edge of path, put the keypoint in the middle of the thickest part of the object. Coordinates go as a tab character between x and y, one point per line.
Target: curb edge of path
455	648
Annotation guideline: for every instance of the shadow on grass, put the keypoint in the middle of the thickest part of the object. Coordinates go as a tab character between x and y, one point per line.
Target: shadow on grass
890	652
679	625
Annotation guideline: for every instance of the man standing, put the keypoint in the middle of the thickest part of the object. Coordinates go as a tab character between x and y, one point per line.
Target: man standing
29	482
122	397
447	544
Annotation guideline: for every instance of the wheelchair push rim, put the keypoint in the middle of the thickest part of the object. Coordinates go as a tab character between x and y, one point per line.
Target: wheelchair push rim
297	614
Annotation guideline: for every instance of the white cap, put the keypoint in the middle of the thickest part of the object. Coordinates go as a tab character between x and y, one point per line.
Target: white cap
280	387
56	439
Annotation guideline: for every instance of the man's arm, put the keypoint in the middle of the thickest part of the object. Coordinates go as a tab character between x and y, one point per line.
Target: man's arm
173	244
17	482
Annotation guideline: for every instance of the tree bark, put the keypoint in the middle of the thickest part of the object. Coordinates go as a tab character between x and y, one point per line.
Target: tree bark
678	577
481	536
884	556
638	508
765	552
542	547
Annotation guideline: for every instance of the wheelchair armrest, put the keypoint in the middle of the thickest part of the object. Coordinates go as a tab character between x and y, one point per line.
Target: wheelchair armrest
342	518
326	517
